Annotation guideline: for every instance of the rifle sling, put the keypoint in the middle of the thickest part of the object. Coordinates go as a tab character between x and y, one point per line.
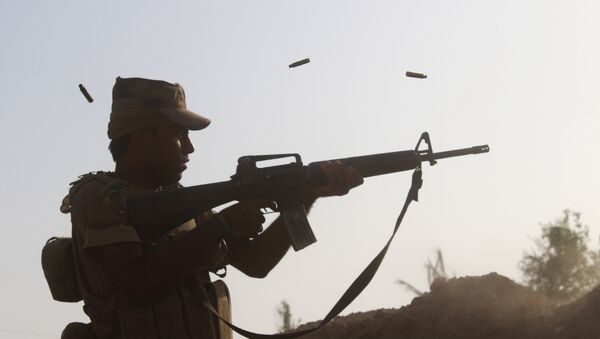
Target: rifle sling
355	289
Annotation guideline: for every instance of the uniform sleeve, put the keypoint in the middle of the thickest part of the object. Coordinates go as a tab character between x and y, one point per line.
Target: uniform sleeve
100	218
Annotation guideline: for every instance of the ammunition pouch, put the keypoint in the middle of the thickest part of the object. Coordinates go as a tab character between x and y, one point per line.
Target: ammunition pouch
59	269
77	331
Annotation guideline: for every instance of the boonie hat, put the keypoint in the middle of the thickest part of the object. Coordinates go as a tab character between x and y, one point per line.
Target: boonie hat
140	103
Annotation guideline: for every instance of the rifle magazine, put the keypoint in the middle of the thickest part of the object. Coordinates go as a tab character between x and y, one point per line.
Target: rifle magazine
301	234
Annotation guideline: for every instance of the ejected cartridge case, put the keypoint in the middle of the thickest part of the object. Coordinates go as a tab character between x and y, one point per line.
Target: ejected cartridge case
85	93
299	63
416	75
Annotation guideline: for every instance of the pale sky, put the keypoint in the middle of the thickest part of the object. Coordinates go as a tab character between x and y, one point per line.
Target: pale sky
521	76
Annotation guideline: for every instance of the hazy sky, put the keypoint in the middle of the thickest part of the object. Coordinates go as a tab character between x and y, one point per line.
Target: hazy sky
521	76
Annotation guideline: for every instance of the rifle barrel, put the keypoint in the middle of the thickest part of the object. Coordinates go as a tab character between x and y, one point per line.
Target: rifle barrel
461	152
392	162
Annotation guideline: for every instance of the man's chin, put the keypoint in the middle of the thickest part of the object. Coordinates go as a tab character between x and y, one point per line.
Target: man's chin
173	180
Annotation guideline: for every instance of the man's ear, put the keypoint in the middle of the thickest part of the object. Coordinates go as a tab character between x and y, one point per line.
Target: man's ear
142	140
138	143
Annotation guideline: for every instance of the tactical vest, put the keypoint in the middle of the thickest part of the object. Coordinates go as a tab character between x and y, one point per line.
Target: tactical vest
116	317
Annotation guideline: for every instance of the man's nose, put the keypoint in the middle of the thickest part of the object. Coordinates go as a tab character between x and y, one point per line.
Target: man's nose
188	147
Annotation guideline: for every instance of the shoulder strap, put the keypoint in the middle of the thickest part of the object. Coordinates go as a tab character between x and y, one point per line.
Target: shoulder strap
223	306
359	284
104	177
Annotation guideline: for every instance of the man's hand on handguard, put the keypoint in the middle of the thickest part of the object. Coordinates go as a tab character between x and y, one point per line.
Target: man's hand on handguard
341	178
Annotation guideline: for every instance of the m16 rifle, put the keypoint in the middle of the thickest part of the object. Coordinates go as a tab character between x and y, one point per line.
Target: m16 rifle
156	213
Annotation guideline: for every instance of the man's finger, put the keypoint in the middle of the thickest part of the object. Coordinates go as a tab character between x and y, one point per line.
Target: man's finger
355	178
261	203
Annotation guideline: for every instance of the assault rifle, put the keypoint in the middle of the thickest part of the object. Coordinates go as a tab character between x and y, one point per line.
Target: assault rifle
156	213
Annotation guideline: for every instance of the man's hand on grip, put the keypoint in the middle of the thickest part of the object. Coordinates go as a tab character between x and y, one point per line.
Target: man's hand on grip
245	219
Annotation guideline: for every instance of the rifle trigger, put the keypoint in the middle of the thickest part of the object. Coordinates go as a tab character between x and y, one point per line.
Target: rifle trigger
269	210
266	210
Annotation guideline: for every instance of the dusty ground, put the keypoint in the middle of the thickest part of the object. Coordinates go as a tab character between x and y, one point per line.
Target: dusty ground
491	306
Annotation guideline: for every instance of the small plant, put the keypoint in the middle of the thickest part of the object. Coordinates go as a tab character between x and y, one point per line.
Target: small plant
563	267
435	269
285	314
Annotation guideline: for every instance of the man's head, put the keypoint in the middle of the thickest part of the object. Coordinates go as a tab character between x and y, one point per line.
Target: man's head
149	126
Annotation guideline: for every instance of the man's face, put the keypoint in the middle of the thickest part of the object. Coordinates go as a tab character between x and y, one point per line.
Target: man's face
167	155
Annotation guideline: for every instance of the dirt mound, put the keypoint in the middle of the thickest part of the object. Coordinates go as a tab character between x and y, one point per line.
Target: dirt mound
491	306
579	319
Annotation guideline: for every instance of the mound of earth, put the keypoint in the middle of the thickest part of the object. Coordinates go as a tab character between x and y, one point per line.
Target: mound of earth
490	306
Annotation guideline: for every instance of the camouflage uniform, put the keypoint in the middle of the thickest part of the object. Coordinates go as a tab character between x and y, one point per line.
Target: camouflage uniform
98	219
